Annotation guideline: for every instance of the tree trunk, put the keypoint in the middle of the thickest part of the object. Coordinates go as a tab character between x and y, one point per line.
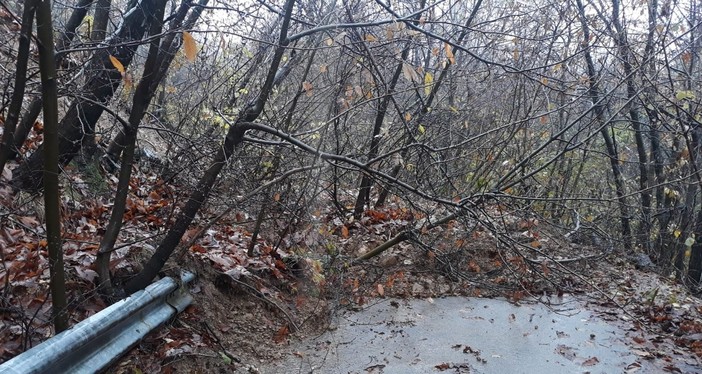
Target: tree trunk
62	41
234	136
364	189
609	140
84	112
620	38
47	65
170	46
100	20
7	145
142	97
695	268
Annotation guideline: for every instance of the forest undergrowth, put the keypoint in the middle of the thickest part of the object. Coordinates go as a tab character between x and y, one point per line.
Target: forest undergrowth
249	300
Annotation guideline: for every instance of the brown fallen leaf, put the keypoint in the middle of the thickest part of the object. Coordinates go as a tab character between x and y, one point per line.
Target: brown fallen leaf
375	368
641	353
443	366
29	221
591	361
282	334
632	368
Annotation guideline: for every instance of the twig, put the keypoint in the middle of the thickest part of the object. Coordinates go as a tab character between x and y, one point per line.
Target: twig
219	342
577	225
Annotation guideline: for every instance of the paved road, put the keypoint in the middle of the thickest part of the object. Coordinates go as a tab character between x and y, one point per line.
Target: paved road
461	335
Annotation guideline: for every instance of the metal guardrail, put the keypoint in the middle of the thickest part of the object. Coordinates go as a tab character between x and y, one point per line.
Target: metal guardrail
99	340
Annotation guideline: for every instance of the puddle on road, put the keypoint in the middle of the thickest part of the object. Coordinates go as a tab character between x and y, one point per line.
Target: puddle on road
462	335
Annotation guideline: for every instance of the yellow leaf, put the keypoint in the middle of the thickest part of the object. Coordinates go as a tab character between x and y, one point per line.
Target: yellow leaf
544	81
276	197
329	42
189	46
428	80
323	68
453	109
449	53
118	65
408	117
421	129
371	38
677	233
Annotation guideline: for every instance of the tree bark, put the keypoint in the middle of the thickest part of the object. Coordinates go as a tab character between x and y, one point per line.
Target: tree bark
604	130
234	136
364	189
143	95
695	267
62	41
100	20
7	144
170	47
626	57
84	112
47	65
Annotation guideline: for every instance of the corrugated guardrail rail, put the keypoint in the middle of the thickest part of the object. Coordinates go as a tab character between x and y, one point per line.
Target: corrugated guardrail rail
98	341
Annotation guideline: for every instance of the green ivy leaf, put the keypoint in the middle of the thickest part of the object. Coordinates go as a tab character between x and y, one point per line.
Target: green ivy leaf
227	360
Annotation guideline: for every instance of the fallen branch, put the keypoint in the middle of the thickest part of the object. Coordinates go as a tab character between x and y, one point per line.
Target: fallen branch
541	260
399	238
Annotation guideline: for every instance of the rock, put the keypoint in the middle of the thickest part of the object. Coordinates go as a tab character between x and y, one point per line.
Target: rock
389	261
642	261
444	288
417	289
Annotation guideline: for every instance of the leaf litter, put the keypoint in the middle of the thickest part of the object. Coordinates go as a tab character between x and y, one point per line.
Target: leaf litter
246	307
